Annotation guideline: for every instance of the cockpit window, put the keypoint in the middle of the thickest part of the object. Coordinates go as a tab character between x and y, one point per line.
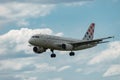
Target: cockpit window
35	36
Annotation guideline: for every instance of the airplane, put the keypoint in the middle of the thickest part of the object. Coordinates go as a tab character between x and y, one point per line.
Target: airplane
42	42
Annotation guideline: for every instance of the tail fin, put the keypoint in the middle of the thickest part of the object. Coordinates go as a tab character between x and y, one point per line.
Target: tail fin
90	32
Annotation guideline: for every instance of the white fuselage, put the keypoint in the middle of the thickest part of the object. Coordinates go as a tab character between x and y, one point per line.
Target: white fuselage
52	42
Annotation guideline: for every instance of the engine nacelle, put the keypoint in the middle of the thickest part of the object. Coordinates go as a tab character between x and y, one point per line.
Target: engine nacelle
67	46
39	50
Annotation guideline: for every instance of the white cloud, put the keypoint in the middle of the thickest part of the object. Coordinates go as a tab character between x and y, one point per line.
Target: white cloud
13	65
63	68
45	67
23	23
9	12
59	34
17	40
112	71
4	22
44	1
63	52
76	3
78	70
26	66
31	78
2	50
113	52
23	77
56	79
8	65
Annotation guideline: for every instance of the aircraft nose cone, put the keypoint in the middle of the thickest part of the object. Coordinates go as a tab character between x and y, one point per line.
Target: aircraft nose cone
30	41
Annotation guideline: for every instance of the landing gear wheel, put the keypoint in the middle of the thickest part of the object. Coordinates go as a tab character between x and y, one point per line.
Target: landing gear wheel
53	55
71	53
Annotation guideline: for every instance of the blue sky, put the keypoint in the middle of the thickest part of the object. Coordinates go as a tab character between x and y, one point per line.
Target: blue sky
19	20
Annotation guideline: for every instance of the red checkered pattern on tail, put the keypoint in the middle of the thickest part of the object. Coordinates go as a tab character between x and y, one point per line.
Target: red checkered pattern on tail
90	32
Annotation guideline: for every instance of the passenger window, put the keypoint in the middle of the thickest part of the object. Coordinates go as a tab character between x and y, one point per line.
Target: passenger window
35	36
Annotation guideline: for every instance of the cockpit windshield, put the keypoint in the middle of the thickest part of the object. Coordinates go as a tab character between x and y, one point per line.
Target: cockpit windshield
35	36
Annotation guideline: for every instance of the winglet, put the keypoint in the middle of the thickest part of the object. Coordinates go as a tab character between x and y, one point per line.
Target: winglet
90	32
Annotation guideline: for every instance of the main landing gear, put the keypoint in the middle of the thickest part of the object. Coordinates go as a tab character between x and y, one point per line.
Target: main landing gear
53	55
71	53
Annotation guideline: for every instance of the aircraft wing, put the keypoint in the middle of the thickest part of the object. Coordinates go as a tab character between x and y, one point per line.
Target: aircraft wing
95	41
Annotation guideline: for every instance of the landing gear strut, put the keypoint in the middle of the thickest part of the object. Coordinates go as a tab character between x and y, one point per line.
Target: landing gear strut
53	55
71	53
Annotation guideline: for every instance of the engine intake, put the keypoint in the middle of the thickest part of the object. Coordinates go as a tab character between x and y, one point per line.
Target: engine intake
67	46
39	49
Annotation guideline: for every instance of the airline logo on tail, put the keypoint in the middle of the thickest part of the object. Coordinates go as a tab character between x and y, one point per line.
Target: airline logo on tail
90	32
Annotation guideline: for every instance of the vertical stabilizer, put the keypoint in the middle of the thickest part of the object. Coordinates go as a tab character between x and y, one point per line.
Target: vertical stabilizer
89	35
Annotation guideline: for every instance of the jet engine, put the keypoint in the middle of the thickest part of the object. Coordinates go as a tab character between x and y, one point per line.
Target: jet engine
67	46
39	50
